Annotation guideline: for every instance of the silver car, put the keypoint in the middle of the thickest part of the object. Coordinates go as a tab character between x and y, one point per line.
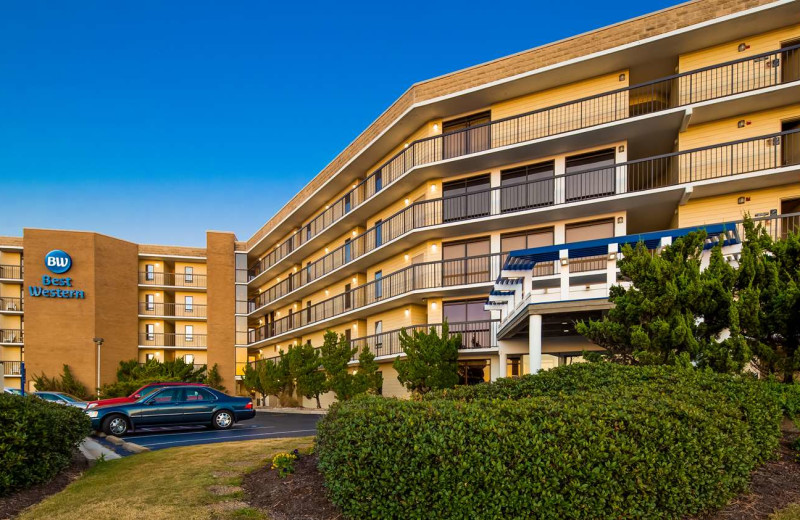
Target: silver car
62	398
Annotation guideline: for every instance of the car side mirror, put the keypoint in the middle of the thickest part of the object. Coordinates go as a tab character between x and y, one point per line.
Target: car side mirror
137	396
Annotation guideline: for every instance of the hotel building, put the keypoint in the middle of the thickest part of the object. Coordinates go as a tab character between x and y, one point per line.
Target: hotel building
496	198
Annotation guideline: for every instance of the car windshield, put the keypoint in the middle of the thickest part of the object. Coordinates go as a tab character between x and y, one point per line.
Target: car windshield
70	398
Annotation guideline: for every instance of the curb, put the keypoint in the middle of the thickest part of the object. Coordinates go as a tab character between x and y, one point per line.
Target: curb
299	411
130	446
93	450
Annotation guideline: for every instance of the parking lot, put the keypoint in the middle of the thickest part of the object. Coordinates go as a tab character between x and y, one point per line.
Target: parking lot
264	425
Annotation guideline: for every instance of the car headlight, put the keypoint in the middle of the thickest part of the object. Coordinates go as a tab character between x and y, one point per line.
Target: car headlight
91	405
93	414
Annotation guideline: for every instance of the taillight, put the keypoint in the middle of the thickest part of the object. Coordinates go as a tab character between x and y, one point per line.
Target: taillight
249	406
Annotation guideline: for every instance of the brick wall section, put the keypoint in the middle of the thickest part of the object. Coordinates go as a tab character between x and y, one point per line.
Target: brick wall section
221	290
606	38
60	331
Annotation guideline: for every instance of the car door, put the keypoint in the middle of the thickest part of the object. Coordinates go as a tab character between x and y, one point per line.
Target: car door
162	408
198	406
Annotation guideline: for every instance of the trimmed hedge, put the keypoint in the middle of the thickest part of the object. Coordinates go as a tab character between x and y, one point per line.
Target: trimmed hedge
37	440
586	441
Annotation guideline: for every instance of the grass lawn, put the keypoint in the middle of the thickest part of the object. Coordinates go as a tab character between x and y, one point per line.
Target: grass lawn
790	513
195	482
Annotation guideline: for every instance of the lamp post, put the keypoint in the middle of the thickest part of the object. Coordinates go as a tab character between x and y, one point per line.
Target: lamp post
99	343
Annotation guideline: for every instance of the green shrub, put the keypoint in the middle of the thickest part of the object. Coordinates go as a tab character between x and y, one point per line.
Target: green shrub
37	439
66	383
586	441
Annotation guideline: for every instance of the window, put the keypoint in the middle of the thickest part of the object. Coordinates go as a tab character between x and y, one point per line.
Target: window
167	395
378	334
474	371
348	251
347	203
378	180
528	240
188	274
466	261
517	366
49	397
589	231
791	142
465	310
189	332
790	71
598	179
347	335
150	302
188	304
378	284
308	311
466	135
149	272
149	357
308	272
197	394
528	186
150	331
378	233
347	301
188	359
466	198
308	232
469	319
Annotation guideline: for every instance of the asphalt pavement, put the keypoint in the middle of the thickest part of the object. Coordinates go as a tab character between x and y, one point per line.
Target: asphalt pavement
265	425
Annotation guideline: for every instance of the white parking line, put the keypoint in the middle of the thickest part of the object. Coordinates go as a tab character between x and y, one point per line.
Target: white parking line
145	434
237	437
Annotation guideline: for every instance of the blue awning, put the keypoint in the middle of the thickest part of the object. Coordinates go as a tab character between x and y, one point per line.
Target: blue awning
526	259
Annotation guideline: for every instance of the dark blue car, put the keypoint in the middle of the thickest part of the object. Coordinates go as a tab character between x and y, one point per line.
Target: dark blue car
173	405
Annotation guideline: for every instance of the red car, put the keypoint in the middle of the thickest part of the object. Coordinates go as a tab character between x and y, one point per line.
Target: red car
142	392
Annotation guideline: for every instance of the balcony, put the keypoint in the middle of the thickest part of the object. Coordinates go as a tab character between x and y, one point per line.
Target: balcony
182	280
475	335
758	154
748	74
584	270
10	272
12	368
172	340
453	273
10	305
195	366
172	310
11	336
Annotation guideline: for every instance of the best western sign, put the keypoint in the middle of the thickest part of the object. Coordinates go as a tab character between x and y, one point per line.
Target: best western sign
58	262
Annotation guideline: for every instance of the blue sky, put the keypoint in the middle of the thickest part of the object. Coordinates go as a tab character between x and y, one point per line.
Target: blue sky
114	115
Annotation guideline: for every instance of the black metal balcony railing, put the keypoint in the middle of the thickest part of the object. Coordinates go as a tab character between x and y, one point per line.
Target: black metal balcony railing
178	310
12	368
170	339
8	303
429	275
11	272
778	227
11	335
713	82
195	366
710	162
474	335
173	279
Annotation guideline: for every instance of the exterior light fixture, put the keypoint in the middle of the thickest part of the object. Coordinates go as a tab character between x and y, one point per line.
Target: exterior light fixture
326	249
612	256
622	77
621	148
355	279
326	292
433	305
620	220
435	127
354	232
433	188
406	202
408	312
740	200
741	123
433	248
743	47
405	257
564	261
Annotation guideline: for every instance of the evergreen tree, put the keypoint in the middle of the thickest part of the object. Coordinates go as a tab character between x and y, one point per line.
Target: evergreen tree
368	377
305	369
673	309
768	300
430	362
336	354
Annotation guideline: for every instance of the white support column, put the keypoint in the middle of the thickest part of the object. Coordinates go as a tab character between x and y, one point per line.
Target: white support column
563	260
560	166
494	182
611	268
621	172
503	361
535	342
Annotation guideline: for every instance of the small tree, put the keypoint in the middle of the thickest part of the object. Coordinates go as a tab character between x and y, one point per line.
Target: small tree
305	369
431	360
368	377
67	383
672	309
272	376
768	300
214	379
336	354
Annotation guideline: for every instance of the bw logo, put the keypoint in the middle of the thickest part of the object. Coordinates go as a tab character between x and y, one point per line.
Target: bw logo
58	261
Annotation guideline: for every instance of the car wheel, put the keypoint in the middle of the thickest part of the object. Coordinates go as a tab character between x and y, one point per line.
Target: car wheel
222	420
115	425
